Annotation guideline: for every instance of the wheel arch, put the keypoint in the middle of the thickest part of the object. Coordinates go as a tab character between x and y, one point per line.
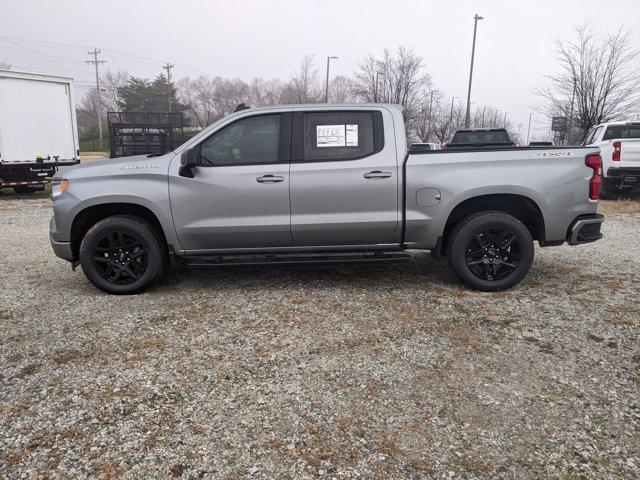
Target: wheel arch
519	206
90	215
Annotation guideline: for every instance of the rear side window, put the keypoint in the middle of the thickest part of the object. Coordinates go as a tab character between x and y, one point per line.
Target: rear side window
340	135
622	131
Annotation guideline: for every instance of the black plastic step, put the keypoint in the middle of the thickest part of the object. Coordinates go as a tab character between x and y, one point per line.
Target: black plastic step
288	259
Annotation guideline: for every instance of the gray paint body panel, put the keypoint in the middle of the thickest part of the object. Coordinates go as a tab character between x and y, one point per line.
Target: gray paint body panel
325	206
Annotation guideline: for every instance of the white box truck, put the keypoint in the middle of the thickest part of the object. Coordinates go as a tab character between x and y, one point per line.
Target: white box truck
38	131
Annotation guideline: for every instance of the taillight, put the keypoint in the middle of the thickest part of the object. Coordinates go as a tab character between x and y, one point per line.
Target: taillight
617	149
594	162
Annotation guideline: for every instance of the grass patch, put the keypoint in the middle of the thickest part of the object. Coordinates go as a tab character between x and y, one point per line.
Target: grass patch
617	207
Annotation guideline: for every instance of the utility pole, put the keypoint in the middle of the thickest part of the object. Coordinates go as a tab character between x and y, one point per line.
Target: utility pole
504	122
168	68
529	128
326	87
95	62
467	116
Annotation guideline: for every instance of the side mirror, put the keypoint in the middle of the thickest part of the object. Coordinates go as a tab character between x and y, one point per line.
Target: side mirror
188	160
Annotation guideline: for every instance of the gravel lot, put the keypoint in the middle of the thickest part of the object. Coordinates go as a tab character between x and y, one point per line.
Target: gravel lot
392	371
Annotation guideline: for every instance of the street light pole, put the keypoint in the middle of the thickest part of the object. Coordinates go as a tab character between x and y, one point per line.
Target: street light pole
326	88
451	115
529	128
467	117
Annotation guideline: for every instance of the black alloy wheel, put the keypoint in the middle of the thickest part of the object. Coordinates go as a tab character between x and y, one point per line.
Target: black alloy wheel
120	257
493	253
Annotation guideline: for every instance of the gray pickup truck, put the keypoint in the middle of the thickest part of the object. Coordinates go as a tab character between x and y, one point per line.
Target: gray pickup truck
321	183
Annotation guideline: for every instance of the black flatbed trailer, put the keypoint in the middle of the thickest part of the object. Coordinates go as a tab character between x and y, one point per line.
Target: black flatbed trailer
28	176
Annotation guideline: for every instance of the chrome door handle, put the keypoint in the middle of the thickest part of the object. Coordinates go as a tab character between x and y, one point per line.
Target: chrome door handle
377	175
269	179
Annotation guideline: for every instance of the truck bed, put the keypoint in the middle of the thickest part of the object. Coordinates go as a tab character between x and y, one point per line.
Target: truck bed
556	179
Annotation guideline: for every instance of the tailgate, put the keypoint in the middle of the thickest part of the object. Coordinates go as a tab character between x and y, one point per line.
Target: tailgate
630	153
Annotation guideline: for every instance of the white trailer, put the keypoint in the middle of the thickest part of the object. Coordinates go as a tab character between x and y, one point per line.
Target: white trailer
38	130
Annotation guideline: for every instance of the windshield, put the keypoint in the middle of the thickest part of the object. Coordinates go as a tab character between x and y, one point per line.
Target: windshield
491	136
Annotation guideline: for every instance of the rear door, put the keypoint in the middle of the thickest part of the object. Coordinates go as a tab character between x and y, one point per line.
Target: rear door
238	197
344	178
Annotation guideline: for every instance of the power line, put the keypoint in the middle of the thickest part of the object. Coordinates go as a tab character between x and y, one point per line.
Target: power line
95	62
110	52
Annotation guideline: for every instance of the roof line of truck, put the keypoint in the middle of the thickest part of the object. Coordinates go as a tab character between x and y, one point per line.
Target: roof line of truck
35	76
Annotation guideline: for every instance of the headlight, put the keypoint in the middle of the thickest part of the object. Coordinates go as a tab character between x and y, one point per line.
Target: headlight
58	187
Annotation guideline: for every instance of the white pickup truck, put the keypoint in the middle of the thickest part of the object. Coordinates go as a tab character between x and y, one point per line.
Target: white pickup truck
619	144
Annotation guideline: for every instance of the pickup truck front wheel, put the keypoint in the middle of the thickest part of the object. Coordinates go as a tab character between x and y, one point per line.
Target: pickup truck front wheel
123	254
490	251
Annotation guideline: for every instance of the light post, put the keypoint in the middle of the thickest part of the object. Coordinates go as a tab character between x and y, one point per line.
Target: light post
504	122
529	127
476	17
326	88
451	115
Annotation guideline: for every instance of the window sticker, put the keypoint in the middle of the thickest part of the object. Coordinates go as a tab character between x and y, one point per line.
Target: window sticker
330	136
352	135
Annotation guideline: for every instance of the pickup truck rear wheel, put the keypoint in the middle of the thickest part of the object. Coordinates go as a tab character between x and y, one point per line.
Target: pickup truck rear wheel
490	251
123	254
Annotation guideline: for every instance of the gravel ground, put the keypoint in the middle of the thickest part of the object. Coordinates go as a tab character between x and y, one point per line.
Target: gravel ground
391	371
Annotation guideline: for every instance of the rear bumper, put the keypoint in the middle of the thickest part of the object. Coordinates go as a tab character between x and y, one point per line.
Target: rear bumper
585	229
624	174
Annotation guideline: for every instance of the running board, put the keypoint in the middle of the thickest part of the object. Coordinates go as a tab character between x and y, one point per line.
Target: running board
250	260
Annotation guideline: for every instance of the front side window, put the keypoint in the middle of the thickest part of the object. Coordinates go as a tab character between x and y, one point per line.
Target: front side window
250	140
338	135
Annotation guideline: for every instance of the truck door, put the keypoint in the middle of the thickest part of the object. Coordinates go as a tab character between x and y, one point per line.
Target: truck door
239	194
344	178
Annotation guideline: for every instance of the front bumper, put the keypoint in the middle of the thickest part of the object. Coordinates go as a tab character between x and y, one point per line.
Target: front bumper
62	249
585	229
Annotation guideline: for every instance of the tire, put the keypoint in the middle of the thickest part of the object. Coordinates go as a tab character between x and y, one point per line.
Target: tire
123	255
490	251
22	189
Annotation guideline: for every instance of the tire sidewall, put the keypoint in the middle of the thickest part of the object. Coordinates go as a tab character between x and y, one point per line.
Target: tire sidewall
463	235
124	224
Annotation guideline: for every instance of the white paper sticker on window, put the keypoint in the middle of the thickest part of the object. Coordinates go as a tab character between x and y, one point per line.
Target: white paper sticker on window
330	136
352	135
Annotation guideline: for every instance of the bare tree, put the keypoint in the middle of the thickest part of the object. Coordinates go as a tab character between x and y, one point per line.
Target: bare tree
110	83
399	77
341	90
304	87
598	79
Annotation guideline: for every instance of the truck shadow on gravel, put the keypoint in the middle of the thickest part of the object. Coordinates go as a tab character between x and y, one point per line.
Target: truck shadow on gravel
420	270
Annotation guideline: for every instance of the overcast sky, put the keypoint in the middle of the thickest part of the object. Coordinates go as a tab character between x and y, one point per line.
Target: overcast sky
268	38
